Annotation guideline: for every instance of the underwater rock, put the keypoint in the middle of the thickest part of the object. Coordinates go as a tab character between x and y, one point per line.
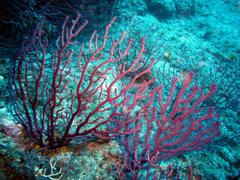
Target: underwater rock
141	7
185	7
125	10
3	91
1	80
162	8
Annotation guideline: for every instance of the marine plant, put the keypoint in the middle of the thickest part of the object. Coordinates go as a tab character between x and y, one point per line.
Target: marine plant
68	90
65	91
168	125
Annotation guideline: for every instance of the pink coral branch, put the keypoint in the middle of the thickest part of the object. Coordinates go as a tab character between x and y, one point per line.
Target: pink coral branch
60	103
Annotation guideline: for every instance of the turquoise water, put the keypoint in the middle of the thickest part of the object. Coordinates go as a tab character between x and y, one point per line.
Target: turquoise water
118	89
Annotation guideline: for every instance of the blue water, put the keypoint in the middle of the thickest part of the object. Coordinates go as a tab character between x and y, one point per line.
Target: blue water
145	89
